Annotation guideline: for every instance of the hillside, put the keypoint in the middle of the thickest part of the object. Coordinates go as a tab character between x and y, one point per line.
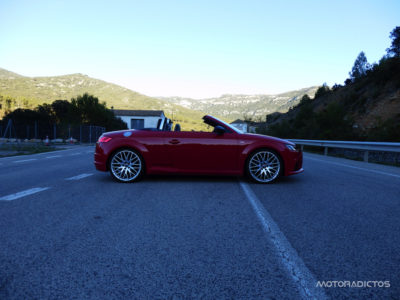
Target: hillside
8	75
240	106
366	108
29	92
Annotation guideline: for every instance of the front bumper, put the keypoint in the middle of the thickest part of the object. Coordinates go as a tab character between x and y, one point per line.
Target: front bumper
294	163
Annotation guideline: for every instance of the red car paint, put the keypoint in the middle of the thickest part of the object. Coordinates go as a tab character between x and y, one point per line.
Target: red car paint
180	152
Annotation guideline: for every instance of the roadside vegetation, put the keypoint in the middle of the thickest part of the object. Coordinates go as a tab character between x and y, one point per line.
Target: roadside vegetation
21	92
85	109
366	107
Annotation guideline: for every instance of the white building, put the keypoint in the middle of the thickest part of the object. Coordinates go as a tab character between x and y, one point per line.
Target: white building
138	119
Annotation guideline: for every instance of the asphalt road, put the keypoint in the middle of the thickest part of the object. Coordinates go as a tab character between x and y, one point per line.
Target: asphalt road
70	232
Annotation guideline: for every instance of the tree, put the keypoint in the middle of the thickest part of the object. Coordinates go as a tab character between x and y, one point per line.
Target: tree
91	111
247	118
85	109
394	49
332	123
305	99
65	112
322	90
360	68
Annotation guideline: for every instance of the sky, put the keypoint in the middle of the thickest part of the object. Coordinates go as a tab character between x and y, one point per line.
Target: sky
196	49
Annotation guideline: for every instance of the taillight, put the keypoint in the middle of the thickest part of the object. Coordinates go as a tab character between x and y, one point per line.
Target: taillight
104	139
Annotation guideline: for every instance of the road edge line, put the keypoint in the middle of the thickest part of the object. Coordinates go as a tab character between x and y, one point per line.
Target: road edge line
294	265
354	167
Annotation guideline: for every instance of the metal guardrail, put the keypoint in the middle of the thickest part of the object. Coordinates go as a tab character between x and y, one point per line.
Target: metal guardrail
365	146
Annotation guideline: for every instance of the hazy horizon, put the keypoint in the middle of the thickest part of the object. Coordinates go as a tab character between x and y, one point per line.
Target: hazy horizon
159	96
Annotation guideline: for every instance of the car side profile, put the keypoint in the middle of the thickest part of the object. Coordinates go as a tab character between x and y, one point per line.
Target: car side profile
129	154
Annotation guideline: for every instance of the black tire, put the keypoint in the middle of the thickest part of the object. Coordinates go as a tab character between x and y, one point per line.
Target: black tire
126	165
264	166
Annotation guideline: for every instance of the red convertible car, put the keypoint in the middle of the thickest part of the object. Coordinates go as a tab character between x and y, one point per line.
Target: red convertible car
129	154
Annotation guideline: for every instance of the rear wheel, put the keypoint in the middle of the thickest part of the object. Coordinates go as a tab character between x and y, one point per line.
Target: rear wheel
126	165
264	166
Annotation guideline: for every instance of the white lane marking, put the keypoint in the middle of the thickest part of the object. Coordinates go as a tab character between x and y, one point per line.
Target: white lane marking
74	154
77	177
23	193
357	168
89	151
24	160
53	156
294	265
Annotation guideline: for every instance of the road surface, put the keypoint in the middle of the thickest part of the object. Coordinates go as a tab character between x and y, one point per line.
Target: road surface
70	232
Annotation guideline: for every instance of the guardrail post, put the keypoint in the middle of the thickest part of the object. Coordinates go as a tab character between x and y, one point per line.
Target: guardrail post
326	151
302	148
366	154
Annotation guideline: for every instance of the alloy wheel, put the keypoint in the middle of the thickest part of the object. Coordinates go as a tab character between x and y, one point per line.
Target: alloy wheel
264	166
126	165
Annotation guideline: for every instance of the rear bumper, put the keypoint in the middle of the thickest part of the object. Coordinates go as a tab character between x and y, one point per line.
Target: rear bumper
100	159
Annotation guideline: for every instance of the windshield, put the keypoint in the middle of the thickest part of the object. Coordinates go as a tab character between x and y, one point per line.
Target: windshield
210	120
234	129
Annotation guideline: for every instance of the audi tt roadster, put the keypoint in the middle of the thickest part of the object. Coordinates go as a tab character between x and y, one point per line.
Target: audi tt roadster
224	150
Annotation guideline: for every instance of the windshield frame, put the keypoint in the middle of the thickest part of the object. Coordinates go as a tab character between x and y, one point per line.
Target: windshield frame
224	124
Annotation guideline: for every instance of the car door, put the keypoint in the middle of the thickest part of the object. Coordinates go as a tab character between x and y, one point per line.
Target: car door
203	152
155	154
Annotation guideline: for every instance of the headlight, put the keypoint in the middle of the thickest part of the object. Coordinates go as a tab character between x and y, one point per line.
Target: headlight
291	147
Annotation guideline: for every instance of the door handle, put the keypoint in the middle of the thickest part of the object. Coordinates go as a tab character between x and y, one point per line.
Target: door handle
174	142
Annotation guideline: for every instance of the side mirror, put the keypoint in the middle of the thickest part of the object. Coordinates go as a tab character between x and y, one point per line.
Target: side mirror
219	130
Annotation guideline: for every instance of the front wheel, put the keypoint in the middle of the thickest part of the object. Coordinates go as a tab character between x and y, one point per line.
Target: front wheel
264	166
126	165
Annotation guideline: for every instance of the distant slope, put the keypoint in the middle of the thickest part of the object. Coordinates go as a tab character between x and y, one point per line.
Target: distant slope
7	74
367	108
238	106
32	91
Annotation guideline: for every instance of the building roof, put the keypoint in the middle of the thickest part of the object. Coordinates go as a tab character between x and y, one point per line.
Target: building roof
238	121
138	113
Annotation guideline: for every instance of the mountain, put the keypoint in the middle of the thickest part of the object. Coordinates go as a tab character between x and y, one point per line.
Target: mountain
244	106
28	92
7	74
